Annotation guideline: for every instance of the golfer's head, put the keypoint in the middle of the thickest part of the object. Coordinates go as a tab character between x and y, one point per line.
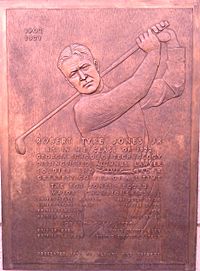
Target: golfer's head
80	68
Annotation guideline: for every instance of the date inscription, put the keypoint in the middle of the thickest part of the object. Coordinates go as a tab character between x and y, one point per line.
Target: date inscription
33	33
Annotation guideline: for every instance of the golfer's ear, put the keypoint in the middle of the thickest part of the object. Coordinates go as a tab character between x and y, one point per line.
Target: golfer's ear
96	63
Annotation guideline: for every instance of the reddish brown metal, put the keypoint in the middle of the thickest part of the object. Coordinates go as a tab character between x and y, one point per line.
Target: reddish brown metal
106	182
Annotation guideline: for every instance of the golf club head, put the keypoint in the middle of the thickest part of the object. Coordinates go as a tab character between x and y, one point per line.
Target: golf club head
20	145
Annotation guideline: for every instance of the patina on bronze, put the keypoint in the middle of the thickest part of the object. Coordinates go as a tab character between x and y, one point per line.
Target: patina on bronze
99	158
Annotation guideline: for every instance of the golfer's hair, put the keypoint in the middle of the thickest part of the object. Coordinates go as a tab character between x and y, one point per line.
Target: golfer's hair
73	49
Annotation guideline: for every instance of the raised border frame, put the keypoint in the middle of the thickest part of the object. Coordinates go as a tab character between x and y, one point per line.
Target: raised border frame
4	127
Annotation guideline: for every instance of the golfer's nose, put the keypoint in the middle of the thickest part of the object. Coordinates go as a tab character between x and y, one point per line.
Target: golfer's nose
82	75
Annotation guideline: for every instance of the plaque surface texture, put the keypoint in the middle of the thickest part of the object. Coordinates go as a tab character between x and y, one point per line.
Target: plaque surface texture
99	134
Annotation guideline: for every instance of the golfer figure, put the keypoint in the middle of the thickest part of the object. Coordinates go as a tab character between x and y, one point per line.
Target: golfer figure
119	112
101	109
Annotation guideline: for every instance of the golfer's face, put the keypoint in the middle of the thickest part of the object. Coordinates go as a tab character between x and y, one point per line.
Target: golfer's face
82	73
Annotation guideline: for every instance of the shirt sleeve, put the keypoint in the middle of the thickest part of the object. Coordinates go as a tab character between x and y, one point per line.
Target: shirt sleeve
171	85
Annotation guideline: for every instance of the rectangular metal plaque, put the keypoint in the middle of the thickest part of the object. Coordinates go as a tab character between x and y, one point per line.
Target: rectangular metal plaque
99	134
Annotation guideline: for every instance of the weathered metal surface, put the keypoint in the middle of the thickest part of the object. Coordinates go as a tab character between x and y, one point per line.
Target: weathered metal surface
100	139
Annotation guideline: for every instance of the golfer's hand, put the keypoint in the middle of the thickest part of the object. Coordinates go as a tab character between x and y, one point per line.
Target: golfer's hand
173	41
165	34
148	41
157	28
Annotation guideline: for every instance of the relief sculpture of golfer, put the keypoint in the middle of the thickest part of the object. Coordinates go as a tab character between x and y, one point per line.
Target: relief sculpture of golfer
120	111
100	108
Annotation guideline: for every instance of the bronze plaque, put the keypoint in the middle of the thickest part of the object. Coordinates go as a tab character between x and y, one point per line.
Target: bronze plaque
99	133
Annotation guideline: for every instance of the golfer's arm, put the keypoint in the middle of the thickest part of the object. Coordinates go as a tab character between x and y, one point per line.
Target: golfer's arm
171	85
96	111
